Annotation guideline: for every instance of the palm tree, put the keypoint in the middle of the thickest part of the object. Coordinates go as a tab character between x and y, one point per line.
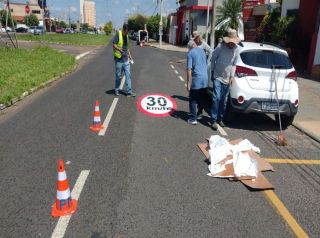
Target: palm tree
229	15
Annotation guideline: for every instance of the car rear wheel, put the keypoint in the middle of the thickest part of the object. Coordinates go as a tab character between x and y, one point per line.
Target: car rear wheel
285	120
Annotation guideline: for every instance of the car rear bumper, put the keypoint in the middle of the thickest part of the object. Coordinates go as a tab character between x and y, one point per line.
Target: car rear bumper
255	105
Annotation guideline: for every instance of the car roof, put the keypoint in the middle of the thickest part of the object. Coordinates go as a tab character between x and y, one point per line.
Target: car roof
260	46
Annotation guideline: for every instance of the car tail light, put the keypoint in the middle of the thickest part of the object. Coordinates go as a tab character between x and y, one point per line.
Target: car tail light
296	103
244	71
240	99
292	75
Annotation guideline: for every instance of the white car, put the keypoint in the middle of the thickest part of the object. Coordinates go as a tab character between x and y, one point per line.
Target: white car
261	69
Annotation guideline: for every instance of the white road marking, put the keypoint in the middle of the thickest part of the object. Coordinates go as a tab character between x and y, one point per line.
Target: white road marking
181	78
82	55
122	83
176	71
106	122
172	66
222	131
63	222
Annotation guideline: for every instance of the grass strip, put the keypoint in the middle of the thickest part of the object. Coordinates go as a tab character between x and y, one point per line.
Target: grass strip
69	39
23	69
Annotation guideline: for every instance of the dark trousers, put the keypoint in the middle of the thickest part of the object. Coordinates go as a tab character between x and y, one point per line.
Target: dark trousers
196	102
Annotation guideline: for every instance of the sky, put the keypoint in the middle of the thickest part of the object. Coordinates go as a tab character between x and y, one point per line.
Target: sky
108	10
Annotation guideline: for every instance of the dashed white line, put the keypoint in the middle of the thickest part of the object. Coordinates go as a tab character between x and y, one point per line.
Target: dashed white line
172	66
222	131
181	78
63	222
176	71
106	122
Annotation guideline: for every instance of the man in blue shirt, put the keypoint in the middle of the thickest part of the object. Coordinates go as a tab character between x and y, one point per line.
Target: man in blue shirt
122	56
197	80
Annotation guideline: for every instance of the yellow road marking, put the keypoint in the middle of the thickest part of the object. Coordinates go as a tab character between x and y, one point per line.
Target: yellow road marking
292	161
283	211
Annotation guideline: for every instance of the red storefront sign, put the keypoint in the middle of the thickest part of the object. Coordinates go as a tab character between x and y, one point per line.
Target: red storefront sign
247	8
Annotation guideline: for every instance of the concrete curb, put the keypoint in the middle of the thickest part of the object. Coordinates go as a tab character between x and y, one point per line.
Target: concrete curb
32	90
306	131
167	49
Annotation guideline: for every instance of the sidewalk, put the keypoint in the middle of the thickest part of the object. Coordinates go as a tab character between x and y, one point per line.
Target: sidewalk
308	116
166	46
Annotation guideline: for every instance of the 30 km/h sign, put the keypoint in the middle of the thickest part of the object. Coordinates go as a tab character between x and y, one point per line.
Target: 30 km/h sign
157	105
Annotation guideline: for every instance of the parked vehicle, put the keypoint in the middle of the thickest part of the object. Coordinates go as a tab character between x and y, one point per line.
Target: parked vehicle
259	68
68	31
142	36
3	29
39	30
59	29
22	30
32	29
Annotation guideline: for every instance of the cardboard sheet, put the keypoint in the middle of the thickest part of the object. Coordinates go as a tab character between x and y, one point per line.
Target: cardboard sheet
259	183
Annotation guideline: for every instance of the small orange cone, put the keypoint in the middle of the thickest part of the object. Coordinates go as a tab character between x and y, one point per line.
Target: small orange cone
64	205
96	125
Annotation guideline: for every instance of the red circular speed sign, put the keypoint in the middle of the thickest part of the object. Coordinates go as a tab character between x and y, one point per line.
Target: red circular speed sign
27	9
157	105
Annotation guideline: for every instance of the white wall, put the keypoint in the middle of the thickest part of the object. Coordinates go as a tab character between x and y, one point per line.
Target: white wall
289	5
317	55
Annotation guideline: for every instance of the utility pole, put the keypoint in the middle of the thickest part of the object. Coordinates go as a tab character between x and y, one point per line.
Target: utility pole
207	26
213	24
160	25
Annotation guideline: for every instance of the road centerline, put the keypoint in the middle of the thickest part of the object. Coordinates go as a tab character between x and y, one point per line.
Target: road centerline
63	222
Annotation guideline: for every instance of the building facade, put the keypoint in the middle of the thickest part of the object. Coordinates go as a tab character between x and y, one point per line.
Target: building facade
89	13
18	11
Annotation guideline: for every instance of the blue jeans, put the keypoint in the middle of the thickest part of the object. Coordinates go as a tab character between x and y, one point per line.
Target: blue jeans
123	67
196	104
219	100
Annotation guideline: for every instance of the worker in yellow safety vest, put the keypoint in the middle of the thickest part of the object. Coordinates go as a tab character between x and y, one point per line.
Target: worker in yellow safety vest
122	56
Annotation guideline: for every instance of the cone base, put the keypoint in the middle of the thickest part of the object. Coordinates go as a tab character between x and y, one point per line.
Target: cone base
57	213
96	129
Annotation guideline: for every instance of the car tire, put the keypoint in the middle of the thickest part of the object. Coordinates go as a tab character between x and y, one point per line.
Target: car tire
286	121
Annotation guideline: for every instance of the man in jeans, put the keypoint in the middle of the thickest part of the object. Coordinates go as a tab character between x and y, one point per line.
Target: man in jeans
197	80
224	59
122	56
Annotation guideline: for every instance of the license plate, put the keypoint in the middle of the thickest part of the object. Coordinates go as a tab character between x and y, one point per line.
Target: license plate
269	106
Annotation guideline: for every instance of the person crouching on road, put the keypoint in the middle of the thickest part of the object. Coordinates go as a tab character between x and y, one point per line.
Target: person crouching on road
224	59
122	56
197	80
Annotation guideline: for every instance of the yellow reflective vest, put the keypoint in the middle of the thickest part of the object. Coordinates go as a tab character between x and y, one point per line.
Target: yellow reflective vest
116	52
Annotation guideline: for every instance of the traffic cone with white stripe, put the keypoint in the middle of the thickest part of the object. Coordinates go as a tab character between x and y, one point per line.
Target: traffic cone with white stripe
96	125
64	204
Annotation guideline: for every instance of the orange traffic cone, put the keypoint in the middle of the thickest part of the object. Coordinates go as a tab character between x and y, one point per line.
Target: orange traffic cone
64	205
96	125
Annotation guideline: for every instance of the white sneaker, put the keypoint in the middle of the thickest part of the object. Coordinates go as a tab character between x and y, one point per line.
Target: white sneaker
192	122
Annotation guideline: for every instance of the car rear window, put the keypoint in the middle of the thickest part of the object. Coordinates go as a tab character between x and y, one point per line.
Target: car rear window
265	59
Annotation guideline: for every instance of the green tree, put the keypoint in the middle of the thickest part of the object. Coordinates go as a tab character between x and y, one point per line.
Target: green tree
84	26
153	24
31	20
229	14
3	17
137	22
73	26
62	24
108	28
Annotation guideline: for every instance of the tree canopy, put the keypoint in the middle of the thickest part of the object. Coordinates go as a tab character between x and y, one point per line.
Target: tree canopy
3	17
137	22
31	20
108	28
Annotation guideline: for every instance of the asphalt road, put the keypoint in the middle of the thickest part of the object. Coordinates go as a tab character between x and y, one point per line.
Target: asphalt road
147	177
